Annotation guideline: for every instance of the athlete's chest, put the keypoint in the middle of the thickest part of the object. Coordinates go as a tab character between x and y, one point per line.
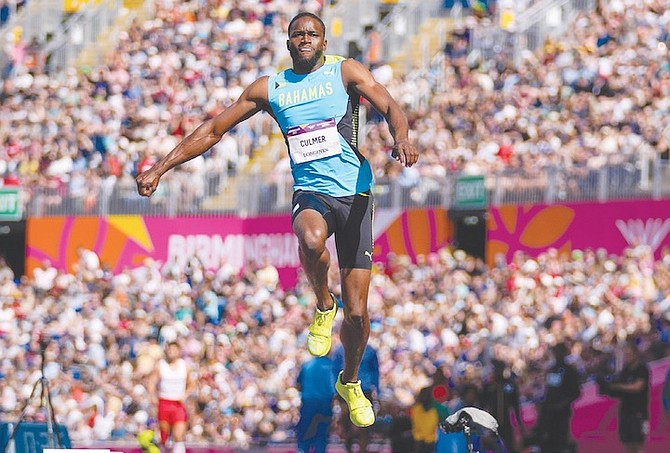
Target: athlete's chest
300	94
307	94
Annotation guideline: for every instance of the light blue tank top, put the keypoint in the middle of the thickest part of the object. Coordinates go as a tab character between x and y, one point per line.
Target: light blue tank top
319	120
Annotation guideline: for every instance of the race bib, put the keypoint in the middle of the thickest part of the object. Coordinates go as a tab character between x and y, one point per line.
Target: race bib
314	141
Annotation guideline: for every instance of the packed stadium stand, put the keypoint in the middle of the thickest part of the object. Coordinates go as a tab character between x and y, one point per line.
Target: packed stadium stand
577	115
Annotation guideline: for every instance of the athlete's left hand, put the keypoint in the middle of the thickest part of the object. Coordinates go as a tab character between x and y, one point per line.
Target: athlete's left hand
405	153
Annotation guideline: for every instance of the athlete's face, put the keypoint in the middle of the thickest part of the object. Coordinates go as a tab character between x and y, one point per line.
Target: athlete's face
306	43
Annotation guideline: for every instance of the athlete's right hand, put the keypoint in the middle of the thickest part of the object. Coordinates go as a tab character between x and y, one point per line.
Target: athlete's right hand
147	182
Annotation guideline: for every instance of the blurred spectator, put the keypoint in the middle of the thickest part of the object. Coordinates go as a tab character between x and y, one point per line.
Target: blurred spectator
5	12
501	399
469	395
400	432
170	384
372	53
316	383
631	387
562	386
425	422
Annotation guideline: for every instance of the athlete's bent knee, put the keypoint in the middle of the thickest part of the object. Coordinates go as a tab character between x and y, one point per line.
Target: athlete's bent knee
313	242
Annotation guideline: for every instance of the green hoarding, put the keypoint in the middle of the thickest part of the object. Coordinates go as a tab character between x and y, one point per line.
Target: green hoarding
470	192
10	203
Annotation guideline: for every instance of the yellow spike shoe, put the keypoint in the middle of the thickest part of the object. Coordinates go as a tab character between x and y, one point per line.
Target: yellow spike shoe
361	413
318	339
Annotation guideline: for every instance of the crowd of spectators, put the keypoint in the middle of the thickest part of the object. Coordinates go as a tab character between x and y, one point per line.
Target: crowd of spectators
597	96
83	132
443	319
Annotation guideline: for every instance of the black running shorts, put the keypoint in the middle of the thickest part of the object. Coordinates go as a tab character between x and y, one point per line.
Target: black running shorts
349	218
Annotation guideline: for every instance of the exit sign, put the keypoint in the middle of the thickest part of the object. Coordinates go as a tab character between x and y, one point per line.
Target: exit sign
470	192
10	203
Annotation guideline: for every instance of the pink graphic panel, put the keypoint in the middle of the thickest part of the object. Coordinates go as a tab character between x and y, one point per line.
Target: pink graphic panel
613	226
126	241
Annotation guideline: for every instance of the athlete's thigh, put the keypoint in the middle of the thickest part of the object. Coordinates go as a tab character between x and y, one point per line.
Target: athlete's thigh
353	236
308	210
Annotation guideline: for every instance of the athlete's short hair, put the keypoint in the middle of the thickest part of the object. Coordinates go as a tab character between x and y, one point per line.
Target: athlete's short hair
306	14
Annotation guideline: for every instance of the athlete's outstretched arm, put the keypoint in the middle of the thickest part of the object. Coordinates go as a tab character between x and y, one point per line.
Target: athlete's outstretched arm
251	101
356	75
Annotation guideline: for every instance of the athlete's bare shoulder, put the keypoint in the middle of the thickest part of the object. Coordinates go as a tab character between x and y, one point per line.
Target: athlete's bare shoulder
354	72
258	90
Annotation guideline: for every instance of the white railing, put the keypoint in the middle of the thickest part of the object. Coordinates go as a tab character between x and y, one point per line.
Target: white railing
404	22
80	31
38	19
396	23
255	194
530	28
345	22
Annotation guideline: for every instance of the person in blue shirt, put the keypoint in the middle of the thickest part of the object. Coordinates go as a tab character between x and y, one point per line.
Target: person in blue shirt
316	383
315	103
368	374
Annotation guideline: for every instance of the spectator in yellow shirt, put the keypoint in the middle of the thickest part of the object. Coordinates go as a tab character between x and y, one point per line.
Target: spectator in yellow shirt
425	421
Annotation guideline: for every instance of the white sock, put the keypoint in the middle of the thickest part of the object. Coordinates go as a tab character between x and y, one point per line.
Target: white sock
179	447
